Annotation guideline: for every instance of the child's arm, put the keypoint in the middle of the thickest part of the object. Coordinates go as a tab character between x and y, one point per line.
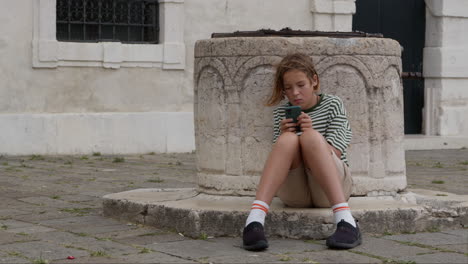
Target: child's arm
338	133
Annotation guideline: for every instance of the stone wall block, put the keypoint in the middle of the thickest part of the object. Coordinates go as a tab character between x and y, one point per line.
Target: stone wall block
234	150
256	119
211	102
211	153
222	184
164	216
124	210
393	103
211	118
234	164
232	95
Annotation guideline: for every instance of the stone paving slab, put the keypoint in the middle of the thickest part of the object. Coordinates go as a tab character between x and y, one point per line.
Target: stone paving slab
11	224
15	193
252	257
9	213
67	238
91	229
161	237
79	220
460	232
450	166
30	230
83	182
87	243
49	202
7	237
10	203
213	250
78	198
283	246
155	257
90	260
87	224
328	256
388	249
432	239
138	230
42	214
196	249
7	259
39	249
440	257
459	248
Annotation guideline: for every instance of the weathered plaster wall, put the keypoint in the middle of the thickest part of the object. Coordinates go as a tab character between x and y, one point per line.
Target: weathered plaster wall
77	89
73	110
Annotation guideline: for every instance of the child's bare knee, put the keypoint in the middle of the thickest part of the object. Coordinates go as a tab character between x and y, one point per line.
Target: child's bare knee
311	136
288	138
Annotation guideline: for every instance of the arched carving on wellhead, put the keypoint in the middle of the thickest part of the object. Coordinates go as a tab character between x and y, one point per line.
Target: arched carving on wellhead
323	65
252	63
209	62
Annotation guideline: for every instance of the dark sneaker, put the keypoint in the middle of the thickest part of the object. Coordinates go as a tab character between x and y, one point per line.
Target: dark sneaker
346	236
254	237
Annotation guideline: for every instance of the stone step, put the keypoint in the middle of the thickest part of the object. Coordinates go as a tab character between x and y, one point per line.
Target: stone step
195	214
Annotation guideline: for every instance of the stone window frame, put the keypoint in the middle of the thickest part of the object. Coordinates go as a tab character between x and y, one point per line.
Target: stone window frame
168	54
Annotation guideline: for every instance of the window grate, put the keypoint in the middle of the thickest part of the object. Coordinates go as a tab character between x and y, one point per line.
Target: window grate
127	21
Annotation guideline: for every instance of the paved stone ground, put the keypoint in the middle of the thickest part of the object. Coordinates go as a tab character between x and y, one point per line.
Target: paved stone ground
50	209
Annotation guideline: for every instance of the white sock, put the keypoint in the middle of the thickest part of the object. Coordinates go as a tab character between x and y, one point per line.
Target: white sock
341	211
258	212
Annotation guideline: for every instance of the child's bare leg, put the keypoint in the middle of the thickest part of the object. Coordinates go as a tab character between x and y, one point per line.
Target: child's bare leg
317	157
284	156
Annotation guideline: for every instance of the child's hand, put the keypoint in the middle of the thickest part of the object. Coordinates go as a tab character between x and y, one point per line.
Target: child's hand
304	121
286	125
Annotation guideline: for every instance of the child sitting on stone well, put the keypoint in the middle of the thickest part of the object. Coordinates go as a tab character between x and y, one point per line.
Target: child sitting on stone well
307	166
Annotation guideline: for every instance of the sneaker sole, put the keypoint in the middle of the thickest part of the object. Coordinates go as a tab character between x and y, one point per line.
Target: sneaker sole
259	246
338	245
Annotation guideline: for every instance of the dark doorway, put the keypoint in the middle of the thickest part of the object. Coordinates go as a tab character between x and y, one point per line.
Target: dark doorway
404	21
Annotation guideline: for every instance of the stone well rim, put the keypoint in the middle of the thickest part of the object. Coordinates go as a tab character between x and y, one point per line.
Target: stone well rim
280	46
287	32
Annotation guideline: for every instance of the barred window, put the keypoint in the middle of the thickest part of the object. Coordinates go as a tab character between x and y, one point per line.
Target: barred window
127	21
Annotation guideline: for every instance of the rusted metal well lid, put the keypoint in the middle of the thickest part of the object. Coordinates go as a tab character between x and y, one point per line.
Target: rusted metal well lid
287	32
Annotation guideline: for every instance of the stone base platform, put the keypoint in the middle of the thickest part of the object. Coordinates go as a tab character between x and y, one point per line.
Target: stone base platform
195	214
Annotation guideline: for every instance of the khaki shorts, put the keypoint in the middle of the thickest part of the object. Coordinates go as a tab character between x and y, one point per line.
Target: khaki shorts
301	190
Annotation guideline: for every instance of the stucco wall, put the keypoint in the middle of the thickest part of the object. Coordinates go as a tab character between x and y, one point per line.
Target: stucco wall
77	89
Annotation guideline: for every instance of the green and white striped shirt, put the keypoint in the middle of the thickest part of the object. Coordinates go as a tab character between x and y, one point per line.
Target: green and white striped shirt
328	118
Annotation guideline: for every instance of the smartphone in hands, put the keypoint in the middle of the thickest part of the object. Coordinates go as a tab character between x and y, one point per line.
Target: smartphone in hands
293	112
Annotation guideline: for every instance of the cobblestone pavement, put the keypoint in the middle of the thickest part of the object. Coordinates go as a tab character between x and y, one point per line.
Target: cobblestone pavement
50	209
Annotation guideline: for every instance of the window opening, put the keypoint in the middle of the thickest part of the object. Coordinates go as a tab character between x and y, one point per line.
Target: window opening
126	21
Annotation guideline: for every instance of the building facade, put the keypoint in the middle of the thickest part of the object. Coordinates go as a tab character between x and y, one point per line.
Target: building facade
61	97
